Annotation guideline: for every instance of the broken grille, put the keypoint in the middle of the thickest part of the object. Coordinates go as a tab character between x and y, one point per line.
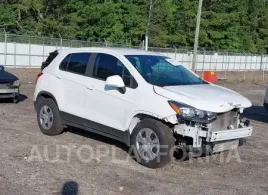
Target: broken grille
3	86
227	120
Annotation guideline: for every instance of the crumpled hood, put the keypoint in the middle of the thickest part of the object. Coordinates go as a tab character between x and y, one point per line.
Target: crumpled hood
208	97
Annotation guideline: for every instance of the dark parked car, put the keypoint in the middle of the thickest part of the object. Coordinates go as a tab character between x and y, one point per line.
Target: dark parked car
9	85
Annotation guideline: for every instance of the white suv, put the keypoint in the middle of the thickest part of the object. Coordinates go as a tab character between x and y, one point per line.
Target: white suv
140	98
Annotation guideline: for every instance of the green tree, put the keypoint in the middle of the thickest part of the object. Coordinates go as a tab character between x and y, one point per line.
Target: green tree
240	25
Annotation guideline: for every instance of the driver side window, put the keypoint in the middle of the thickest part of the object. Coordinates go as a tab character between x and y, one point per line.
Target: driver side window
107	65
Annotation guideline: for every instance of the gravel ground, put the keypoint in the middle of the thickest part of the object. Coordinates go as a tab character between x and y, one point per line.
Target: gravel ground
28	162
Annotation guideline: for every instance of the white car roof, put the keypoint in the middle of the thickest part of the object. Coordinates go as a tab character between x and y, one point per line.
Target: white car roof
120	51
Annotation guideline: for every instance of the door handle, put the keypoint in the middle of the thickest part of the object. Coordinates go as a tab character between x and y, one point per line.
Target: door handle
90	87
59	77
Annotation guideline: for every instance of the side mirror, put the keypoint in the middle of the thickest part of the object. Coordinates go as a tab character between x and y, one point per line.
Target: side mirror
115	81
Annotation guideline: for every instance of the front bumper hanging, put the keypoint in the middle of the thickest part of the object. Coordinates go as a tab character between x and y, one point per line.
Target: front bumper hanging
198	135
229	134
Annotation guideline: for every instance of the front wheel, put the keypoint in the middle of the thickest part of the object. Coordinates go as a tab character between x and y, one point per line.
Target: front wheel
152	142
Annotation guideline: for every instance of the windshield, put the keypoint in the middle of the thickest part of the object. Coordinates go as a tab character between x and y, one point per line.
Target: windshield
158	70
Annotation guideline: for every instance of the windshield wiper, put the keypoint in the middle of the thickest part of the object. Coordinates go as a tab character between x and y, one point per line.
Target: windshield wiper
159	85
171	84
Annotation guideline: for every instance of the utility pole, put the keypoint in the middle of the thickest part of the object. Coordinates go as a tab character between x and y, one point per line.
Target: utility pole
146	42
152	3
198	18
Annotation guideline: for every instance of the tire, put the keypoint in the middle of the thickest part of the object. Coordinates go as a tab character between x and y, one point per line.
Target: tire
55	126
161	155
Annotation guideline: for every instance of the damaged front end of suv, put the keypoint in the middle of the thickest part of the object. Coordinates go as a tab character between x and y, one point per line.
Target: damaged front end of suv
208	132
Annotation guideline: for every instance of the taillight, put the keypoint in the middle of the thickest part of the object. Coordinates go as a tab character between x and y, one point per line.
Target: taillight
38	76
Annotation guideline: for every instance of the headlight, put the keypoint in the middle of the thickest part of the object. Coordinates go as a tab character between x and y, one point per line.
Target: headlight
16	83
192	114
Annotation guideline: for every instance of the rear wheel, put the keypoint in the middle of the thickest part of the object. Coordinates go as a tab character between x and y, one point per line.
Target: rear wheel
152	141
48	117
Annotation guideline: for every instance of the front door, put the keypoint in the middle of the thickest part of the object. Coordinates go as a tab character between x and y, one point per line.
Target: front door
107	105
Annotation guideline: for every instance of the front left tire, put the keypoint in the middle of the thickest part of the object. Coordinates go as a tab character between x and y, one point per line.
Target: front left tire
152	142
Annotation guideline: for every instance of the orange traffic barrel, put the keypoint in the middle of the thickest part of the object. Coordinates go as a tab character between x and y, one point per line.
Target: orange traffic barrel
210	76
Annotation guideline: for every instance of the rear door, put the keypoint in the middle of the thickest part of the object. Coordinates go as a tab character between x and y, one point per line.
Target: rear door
73	77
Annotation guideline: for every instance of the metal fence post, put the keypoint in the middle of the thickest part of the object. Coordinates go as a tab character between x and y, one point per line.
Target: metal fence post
266	62
222	62
43	54
204	58
245	66
5	48
182	60
60	43
261	67
250	61
227	65
256	62
210	62
234	63
264	67
216	66
261	62
15	54
30	54
240	62
175	53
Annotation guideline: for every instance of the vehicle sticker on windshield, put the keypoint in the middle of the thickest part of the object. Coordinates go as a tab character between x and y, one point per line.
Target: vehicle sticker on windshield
173	62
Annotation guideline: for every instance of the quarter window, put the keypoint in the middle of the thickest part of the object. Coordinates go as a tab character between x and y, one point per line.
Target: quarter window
49	59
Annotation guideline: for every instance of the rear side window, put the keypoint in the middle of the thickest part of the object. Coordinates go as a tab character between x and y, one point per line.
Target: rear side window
65	62
49	59
75	63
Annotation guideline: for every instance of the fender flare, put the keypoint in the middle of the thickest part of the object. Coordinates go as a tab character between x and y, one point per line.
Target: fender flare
46	95
136	118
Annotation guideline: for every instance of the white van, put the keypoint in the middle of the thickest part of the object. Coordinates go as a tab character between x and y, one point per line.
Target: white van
139	98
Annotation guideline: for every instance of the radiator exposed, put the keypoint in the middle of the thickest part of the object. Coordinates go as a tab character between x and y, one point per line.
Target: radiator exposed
225	121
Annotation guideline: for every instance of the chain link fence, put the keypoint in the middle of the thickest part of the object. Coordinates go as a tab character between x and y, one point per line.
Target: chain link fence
31	51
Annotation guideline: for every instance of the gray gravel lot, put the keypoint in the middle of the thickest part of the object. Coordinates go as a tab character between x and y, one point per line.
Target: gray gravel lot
22	172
